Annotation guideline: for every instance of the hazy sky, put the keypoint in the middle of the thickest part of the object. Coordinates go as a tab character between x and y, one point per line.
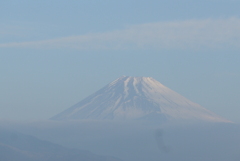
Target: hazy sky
54	53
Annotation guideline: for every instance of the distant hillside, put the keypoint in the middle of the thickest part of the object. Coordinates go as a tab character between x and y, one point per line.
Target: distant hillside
19	147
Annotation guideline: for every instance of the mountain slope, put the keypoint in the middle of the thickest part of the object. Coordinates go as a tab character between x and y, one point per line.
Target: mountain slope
20	147
137	98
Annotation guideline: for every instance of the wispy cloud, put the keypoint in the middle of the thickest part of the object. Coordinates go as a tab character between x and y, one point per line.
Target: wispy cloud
189	34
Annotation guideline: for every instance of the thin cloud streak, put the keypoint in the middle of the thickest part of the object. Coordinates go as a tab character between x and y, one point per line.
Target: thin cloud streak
189	34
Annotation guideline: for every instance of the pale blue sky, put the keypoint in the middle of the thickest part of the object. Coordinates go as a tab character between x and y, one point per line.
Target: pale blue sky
55	53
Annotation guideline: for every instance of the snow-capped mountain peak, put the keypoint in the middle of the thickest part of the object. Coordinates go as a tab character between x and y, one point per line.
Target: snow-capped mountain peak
130	98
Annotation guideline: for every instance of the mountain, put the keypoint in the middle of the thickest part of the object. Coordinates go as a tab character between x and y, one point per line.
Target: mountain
137	98
15	146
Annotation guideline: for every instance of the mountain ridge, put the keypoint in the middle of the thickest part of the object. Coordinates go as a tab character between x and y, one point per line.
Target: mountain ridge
15	146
